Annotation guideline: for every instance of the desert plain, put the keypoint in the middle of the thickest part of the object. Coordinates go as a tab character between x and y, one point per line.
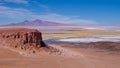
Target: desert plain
71	55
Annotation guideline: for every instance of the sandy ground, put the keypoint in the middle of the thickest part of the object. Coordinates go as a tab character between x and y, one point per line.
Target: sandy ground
72	58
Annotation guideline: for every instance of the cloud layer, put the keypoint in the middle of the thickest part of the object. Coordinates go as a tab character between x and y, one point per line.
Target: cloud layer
16	1
25	14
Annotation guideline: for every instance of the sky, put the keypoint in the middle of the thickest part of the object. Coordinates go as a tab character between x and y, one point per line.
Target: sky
74	12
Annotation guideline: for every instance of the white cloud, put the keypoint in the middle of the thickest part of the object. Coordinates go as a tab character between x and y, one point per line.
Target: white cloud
45	7
13	13
41	5
16	1
65	19
18	13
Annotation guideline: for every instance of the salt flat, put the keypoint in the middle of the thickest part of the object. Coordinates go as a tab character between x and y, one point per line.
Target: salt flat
112	38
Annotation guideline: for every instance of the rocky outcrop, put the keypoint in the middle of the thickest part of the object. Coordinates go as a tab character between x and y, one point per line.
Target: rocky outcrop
105	45
22	38
26	41
101	45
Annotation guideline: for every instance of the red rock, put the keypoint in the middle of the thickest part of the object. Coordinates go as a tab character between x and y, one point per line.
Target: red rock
21	38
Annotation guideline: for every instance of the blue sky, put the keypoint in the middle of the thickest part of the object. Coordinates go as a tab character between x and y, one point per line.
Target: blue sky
76	12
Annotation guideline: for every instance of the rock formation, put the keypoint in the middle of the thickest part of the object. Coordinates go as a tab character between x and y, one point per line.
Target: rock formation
21	38
26	41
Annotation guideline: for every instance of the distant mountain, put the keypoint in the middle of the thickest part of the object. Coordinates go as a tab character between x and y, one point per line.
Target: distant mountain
36	22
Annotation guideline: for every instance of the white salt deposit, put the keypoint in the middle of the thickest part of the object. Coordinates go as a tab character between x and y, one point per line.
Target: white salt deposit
114	38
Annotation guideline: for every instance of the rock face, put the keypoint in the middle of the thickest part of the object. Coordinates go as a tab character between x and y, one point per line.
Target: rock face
22	38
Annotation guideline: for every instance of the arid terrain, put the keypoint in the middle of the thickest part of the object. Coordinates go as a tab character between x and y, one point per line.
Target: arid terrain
63	55
59	34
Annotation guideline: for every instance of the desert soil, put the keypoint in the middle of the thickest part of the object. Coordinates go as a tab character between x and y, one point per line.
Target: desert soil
71	58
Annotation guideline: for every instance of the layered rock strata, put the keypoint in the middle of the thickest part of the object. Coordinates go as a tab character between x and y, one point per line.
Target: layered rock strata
22	38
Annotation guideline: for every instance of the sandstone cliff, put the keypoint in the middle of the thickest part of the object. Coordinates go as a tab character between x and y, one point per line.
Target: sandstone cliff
21	38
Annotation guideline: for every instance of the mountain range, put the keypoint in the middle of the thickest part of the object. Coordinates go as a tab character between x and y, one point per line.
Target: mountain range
36	22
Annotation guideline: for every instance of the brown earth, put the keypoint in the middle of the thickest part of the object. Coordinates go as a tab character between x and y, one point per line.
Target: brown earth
102	45
95	54
85	58
110	46
65	55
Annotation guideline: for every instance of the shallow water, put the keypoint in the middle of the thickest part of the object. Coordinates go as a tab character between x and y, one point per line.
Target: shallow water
112	38
116	29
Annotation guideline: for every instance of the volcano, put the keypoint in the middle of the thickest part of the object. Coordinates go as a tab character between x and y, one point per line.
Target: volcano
36	22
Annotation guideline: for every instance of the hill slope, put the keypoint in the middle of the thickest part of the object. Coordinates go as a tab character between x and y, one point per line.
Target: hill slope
36	22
